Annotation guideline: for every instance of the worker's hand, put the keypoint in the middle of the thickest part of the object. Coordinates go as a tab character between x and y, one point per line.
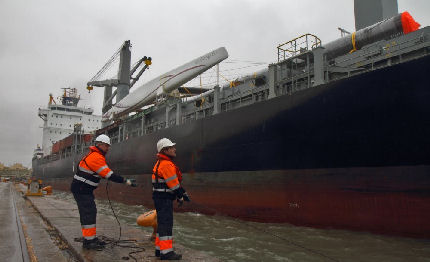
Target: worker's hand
186	197
180	201
131	182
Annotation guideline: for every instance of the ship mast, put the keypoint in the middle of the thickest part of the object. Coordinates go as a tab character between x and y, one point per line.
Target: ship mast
70	97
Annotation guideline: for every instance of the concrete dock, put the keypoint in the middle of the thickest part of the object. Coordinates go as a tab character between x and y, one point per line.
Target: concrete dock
36	228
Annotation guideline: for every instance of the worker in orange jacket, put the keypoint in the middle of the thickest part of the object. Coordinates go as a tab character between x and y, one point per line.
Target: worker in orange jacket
89	171
166	182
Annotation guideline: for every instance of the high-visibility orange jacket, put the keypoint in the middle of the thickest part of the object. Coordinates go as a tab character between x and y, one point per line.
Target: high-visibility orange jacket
166	178
93	167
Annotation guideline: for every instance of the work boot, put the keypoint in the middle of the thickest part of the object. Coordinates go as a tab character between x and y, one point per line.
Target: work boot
157	253
99	241
171	256
92	244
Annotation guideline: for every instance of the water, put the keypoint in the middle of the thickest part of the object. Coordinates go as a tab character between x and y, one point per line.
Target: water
235	240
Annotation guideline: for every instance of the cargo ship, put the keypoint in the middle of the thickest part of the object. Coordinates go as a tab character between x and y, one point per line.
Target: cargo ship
330	136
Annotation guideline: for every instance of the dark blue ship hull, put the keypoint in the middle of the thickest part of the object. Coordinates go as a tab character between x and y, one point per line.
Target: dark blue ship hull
353	153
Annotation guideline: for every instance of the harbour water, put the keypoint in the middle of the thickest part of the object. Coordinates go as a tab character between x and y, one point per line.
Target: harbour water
235	240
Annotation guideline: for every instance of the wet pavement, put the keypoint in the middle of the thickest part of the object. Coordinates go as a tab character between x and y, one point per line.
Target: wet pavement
13	247
48	229
42	240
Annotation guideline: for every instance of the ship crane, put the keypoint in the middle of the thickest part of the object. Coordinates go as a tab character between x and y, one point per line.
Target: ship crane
125	79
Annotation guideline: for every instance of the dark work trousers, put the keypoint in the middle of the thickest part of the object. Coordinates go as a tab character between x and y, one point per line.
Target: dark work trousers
87	208
164	209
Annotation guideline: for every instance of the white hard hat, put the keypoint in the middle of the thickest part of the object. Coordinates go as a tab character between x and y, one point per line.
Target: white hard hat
164	142
103	138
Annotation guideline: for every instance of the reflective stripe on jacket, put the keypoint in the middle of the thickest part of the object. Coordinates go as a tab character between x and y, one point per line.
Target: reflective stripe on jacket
93	167
165	175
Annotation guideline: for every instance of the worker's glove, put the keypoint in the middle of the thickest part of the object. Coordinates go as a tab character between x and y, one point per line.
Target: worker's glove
180	201
131	182
186	197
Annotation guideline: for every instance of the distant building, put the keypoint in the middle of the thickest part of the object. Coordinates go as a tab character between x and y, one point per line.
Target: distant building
17	166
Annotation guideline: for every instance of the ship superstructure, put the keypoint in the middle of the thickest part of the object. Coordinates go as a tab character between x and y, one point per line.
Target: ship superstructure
60	120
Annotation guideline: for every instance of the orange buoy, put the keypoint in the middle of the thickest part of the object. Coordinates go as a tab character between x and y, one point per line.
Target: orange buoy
148	219
48	190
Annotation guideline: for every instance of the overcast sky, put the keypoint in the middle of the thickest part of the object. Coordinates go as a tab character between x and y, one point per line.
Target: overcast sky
46	45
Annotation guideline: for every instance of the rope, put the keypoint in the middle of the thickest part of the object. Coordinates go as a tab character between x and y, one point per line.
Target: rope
107	65
227	73
125	243
231	61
